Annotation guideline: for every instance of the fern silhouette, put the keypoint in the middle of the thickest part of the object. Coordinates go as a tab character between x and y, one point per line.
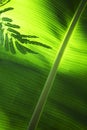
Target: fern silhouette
13	40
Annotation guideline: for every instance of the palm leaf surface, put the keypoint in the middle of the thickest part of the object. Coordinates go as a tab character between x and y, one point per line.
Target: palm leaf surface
66	106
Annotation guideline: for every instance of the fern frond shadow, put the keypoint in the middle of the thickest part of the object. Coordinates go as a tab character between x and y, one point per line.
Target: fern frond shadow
6	19
6	9
13	40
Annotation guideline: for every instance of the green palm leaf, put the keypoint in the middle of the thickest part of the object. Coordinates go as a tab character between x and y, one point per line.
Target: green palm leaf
62	26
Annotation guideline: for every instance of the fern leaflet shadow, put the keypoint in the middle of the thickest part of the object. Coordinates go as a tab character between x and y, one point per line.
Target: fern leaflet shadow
3	2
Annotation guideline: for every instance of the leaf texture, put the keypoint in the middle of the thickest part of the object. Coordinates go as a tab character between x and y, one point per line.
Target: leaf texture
23	75
42	100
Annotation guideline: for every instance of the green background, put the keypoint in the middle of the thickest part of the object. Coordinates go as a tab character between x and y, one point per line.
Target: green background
22	77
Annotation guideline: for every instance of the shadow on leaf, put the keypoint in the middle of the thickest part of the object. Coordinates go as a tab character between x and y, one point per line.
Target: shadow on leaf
3	2
7	19
6	9
13	40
